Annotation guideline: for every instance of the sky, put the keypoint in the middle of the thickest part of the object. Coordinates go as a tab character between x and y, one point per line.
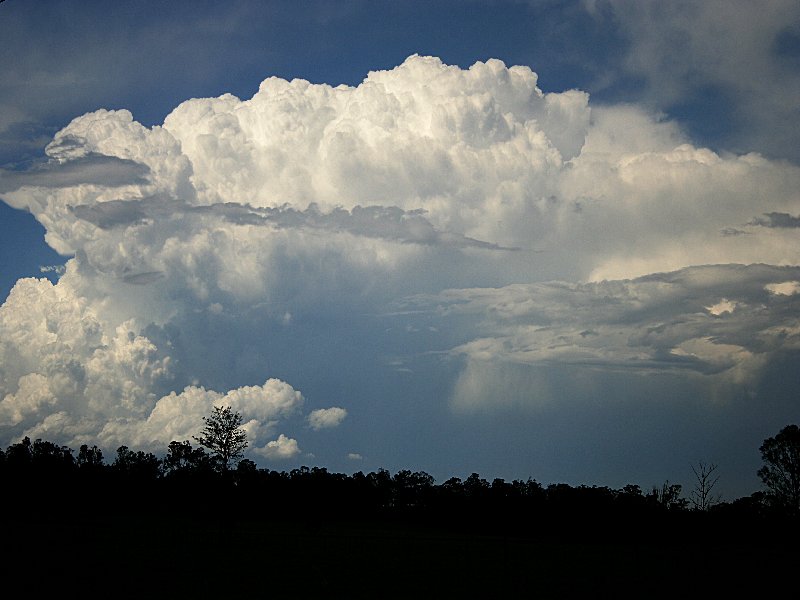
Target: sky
555	240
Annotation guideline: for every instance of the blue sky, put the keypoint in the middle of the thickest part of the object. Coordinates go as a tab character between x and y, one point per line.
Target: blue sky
529	239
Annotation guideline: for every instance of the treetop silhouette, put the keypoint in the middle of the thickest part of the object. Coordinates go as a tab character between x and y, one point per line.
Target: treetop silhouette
223	436
781	470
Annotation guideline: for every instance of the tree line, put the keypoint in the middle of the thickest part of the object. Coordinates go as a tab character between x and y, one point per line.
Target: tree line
212	477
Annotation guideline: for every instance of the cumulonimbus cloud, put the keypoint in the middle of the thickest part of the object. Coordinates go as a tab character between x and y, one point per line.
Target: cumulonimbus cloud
239	228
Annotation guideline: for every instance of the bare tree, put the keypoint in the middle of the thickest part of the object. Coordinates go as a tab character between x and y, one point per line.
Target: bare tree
706	477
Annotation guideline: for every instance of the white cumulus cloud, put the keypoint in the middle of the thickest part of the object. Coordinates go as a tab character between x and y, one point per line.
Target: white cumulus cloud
324	418
282	448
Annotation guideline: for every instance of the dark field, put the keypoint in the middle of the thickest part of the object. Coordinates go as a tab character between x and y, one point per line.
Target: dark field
123	556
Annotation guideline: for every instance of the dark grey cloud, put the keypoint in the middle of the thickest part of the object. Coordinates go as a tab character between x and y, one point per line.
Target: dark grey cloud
380	222
114	213
143	278
90	169
777	220
384	222
732	232
708	319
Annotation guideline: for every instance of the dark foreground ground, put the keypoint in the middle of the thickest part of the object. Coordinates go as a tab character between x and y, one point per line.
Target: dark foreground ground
177	556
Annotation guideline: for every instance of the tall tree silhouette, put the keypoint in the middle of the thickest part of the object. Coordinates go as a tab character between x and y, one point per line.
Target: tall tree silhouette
223	436
781	470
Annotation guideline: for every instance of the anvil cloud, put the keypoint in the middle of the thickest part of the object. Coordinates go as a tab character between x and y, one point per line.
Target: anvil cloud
431	213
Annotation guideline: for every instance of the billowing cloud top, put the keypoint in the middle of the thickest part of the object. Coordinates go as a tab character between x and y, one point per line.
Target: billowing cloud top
203	249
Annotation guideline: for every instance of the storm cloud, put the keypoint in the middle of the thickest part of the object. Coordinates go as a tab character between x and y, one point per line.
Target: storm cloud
431	213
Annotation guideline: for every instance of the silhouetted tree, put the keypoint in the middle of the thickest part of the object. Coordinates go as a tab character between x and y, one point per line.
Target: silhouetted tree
703	496
781	470
47	455
668	496
530	489
380	483
137	464
411	489
476	487
18	456
90	458
248	479
631	490
246	466
454	485
181	458
631	500
222	436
